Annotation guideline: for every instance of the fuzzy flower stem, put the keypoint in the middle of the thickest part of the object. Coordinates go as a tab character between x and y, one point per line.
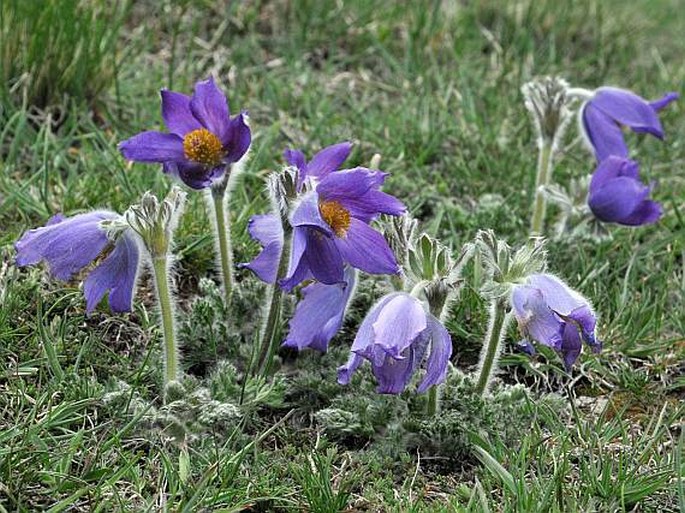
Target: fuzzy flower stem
499	319
269	342
161	272
223	237
543	176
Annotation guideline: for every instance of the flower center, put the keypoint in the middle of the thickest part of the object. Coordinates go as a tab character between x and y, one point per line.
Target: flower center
203	146
337	216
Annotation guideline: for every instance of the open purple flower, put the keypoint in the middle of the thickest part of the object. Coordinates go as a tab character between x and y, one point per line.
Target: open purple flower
551	313
324	162
602	116
320	313
331	228
618	196
203	138
396	337
68	245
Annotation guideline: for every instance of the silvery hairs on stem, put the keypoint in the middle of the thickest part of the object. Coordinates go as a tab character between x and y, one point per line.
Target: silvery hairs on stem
547	100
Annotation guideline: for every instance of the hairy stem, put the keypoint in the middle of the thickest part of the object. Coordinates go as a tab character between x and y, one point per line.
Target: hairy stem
499	319
161	275
269	342
432	404
223	237
543	176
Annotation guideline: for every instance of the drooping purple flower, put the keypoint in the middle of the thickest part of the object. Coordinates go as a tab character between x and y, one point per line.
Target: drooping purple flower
331	228
203	138
396	337
551	313
69	245
617	195
602	116
268	231
320	313
324	162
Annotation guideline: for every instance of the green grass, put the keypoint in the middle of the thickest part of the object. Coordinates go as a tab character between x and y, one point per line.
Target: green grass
433	87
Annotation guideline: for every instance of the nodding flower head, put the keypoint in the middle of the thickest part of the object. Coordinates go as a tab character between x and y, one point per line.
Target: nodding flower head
397	336
608	108
203	139
70	245
551	313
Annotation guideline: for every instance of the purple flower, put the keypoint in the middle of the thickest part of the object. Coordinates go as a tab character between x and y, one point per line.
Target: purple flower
319	314
68	245
618	196
396	336
609	108
551	313
203	138
268	231
331	228
324	162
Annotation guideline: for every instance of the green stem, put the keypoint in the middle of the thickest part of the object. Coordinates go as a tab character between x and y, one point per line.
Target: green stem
269	342
493	339
223	237
432	404
171	367
543	176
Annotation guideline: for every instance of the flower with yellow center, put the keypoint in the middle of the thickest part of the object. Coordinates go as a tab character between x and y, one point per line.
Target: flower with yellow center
336	216
203	146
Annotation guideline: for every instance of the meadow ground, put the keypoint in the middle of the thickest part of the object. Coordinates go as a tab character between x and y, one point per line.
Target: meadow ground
434	88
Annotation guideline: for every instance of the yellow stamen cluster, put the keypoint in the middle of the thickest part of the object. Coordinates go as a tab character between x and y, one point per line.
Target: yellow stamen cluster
203	146
337	216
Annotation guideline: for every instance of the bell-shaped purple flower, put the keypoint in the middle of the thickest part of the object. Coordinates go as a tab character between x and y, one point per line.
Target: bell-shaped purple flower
618	196
397	336
203	138
320	313
602	116
331	228
68	245
324	162
551	313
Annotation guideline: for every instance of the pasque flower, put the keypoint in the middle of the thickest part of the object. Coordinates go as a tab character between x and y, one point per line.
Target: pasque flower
331	228
68	245
609	107
617	195
396	337
319	314
203	138
324	162
551	313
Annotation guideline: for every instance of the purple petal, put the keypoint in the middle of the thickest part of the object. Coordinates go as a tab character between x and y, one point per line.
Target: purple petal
117	273
584	318
268	231
329	159
153	147
295	158
298	268
237	138
647	212
399	323
557	295
629	109
366	249
526	346
659	104
535	318
196	176
394	375
366	336
319	314
571	346
439	358
617	199
323	258
210	107
368	206
67	246
176	112
602	133
307	214
613	167
349	183
345	371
